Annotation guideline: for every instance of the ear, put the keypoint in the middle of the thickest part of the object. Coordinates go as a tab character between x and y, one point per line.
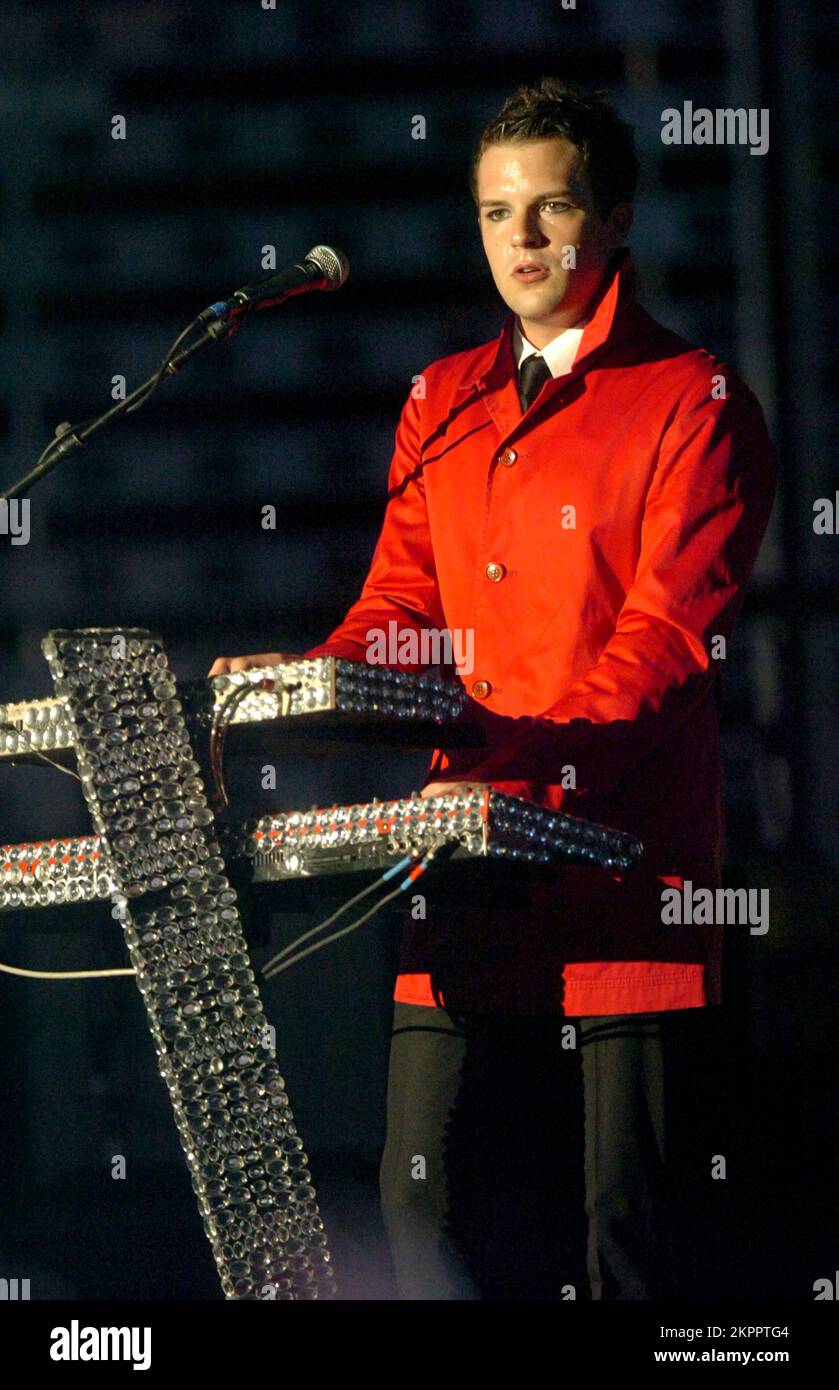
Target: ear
620	221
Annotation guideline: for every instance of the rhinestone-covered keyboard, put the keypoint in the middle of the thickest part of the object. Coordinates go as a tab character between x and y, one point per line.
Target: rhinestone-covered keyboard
323	686
333	840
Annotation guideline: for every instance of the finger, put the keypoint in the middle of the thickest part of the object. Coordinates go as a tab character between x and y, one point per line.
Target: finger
254	660
440	788
220	666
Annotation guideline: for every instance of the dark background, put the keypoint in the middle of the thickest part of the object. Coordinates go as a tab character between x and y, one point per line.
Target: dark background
249	128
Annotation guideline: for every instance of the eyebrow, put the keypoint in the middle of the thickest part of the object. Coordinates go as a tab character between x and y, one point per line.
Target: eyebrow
540	197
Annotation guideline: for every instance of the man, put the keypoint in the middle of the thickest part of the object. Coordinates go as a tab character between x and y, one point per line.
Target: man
587	494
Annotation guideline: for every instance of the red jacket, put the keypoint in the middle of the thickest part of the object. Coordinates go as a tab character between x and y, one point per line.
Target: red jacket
620	519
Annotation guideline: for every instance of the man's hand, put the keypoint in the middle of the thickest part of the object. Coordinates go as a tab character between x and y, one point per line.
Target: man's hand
453	788
226	665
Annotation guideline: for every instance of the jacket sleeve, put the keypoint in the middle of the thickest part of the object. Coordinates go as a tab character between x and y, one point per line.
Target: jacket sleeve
705	515
402	582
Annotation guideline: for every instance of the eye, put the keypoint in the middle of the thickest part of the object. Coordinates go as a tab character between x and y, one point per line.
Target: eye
556	205
495	214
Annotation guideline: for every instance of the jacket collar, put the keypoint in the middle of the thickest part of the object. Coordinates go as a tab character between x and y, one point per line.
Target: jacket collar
497	383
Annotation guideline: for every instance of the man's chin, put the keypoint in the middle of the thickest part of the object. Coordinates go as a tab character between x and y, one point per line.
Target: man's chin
535	306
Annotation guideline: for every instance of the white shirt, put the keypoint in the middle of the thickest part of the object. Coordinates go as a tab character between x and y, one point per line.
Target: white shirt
559	354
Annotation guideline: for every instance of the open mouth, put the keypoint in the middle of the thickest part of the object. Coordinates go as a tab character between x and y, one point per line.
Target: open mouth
530	272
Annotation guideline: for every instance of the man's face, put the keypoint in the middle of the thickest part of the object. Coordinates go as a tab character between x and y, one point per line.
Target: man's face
535	203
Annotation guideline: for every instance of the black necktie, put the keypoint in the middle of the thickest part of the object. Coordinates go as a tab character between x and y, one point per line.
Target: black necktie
533	373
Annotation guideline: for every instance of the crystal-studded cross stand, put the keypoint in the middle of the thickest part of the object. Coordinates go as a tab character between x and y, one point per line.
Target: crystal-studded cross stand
146	796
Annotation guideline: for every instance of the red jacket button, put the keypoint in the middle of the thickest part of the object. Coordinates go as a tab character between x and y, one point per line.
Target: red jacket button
508	458
481	689
495	571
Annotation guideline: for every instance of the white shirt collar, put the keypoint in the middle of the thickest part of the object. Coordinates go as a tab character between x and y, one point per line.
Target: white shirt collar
559	353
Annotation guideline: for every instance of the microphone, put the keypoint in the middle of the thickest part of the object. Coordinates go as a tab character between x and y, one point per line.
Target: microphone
322	268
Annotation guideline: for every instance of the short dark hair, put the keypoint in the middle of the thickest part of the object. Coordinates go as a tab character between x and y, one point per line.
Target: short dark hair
556	108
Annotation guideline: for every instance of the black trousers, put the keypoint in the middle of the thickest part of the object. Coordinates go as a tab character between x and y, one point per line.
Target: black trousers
546	1157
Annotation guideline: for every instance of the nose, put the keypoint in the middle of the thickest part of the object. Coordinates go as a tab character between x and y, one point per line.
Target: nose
524	229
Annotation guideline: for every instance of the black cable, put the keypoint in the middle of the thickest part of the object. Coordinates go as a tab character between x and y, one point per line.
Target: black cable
327	941
298	940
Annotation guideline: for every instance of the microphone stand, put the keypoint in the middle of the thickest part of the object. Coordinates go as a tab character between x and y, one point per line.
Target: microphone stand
69	437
